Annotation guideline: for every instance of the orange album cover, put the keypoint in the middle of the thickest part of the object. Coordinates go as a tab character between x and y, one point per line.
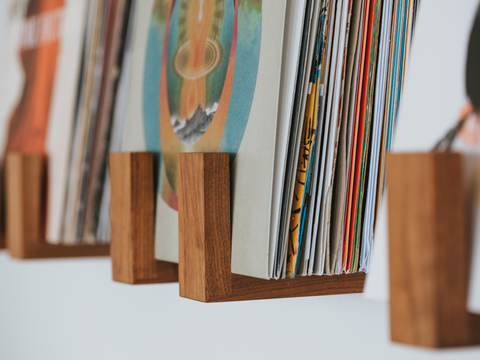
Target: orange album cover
41	67
38	52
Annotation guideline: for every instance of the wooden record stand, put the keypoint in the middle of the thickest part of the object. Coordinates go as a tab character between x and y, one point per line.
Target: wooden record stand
204	242
204	234
429	251
25	184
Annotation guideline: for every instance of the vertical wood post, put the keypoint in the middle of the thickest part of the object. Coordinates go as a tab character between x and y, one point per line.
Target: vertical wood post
25	188
429	251
204	225
2	207
132	214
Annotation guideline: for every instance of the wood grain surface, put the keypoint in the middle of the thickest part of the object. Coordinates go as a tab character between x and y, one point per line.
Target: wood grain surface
25	184
204	242
132	214
2	209
429	251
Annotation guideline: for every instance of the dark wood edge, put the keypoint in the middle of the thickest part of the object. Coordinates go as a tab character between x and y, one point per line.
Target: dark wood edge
168	275
49	251
246	288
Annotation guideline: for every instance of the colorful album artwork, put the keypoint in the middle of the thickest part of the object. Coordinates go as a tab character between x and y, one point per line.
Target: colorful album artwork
205	78
200	56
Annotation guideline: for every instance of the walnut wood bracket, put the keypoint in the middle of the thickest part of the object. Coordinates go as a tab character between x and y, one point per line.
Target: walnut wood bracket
25	182
204	242
429	251
132	214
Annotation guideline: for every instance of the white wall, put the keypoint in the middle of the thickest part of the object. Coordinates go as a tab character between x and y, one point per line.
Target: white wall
70	309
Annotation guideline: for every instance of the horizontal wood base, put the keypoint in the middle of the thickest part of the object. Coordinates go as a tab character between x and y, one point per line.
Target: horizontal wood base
248	288
204	242
45	251
132	211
